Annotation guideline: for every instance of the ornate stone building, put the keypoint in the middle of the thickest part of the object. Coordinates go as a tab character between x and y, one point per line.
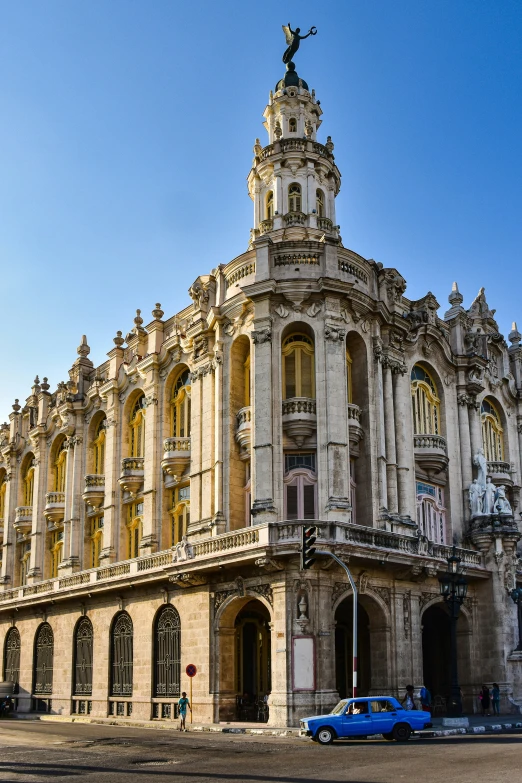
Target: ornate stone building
151	507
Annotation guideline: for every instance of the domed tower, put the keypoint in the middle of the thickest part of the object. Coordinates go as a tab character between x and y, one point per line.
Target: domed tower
294	180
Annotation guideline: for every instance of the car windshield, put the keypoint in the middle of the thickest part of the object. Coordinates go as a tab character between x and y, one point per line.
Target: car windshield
340	708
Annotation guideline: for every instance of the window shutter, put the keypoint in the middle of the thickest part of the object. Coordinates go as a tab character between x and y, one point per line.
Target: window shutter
291	502
290	376
306	375
309	501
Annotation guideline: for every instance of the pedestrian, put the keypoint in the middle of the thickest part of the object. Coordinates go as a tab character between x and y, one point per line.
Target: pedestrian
495	698
183	703
484	700
425	697
408	700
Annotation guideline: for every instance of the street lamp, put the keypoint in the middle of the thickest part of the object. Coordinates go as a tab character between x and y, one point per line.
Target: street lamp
453	588
516	595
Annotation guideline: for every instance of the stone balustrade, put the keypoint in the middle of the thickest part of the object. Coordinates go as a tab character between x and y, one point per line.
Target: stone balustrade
23	519
176	459
324	223
431	452
132	474
54	507
355	431
299	418
266	225
94	491
500	472
294	145
244	430
294	219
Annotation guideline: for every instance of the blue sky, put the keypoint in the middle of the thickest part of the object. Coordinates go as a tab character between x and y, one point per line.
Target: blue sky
127	132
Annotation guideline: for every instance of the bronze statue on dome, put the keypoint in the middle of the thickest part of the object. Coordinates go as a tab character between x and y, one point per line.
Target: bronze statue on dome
293	40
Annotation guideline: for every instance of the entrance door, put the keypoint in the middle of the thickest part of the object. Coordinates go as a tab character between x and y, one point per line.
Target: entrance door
253	661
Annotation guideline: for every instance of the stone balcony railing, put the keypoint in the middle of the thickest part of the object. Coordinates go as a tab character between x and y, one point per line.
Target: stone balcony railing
132	474
355	431
500	472
266	225
244	430
259	543
299	418
23	519
324	223
176	459
294	219
431	452
294	145
94	492
54	507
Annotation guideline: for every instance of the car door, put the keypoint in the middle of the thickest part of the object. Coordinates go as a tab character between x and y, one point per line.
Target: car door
384	716
358	723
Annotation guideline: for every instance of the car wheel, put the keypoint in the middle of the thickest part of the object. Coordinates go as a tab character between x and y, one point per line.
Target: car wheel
388	736
325	736
401	732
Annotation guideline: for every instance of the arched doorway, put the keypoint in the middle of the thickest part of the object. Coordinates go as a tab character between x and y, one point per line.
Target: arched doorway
244	661
436	652
372	653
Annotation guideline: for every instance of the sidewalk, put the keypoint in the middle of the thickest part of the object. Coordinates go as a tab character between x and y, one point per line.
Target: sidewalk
492	724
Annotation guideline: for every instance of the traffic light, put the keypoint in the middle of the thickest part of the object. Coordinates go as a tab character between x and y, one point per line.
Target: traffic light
308	537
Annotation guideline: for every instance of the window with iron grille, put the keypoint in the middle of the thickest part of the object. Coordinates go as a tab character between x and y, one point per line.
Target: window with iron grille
121	656
43	659
83	643
12	656
167	653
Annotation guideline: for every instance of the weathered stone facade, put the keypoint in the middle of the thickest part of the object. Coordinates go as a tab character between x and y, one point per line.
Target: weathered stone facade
300	384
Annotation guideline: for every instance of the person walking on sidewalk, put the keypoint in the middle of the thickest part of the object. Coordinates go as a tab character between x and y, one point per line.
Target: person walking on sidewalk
183	704
495	698
484	700
408	700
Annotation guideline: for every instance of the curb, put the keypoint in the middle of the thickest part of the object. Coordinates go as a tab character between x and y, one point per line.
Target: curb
496	728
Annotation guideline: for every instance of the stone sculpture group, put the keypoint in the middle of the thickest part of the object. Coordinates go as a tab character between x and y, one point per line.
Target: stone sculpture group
484	496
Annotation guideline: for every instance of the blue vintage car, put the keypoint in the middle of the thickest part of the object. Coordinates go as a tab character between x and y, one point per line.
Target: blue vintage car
362	717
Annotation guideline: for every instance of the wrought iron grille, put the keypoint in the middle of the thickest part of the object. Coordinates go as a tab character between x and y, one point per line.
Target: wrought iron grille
121	656
44	655
12	656
167	653
83	658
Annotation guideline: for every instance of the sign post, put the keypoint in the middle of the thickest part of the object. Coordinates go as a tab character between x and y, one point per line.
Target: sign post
191	672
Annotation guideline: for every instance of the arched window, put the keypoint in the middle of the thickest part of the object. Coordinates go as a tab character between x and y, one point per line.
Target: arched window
319	198
3	489
180	406
269	210
121	656
135	528
349	376
298	367
96	539
431	513
492	432
180	513
292	125
43	660
12	656
56	552
137	425
28	484
167	653
60	468
83	643
300	482
294	198
98	446
426	404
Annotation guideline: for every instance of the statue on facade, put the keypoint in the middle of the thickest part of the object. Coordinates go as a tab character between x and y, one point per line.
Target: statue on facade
502	504
488	503
480	461
475	498
293	40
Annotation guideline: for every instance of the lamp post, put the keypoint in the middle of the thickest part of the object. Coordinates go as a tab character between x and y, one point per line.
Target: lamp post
516	595
453	588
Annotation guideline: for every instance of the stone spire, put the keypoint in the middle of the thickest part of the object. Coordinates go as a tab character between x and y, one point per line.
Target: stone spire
455	299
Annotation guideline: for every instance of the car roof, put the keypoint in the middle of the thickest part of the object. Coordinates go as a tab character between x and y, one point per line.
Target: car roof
371	698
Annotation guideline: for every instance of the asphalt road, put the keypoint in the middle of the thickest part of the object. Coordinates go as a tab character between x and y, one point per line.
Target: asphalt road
116	754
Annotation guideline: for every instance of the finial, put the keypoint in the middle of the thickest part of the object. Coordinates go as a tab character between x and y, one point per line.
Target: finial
514	336
158	312
138	320
257	148
455	298
36	381
44	386
118	340
329	144
83	349
16	407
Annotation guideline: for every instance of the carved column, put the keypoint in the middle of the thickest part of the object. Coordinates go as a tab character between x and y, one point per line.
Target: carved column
389	434
263	508
474	425
39	526
9	540
152	473
207	445
74	507
404	444
336	405
196	426
111	511
219	519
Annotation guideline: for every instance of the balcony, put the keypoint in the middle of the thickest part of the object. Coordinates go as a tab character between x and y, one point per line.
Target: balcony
299	419
23	519
54	510
266	225
295	219
500	473
132	472
244	431
355	431
324	223
176	459
431	452
94	492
